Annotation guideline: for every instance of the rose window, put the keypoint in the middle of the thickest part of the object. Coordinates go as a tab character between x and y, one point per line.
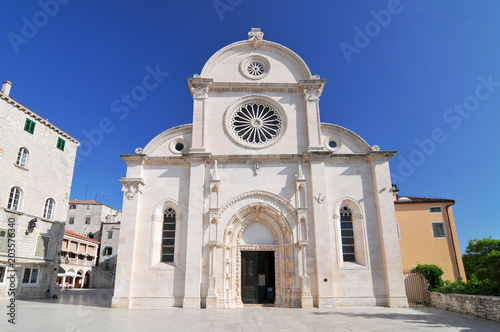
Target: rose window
255	68
256	123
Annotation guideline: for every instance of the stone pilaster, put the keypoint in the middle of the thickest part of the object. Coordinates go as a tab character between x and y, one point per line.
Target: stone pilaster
386	215
132	188
211	302
198	88
192	296
312	91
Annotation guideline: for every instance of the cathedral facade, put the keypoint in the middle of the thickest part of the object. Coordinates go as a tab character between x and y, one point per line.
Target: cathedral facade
257	201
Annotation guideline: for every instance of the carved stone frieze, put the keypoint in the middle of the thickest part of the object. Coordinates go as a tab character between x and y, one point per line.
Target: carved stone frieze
200	92
320	199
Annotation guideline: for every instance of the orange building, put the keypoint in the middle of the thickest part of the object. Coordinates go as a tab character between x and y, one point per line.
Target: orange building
427	234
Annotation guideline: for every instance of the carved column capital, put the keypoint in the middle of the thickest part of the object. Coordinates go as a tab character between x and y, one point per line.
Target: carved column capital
132	186
199	92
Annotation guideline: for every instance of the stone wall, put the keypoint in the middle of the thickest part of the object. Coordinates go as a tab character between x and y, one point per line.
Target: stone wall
480	306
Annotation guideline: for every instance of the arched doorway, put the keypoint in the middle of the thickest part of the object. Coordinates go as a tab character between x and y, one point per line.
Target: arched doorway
78	280
259	258
86	283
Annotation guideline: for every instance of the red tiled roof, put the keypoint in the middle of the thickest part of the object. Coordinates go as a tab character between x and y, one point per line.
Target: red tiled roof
423	200
76	234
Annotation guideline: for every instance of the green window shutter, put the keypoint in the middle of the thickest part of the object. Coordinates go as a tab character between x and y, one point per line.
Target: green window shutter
3	240
29	126
110	234
60	143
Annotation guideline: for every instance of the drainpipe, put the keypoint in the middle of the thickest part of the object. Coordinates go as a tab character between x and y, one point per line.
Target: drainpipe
451	236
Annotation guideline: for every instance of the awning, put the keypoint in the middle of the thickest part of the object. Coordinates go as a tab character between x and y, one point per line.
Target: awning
69	274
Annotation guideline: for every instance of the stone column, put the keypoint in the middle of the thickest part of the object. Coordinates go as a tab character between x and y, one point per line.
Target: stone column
322	228
386	215
213	242
194	218
312	91
132	188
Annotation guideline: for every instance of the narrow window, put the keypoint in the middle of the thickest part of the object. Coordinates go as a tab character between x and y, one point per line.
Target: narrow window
106	267
48	213
72	206
30	276
110	234
88	207
22	157
14	199
2	274
438	229
60	143
347	234
108	251
90	235
29	126
399	231
87	220
3	240
42	246
71	220
168	237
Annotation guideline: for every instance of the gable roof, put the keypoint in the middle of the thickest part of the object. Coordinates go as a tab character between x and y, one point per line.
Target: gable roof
413	200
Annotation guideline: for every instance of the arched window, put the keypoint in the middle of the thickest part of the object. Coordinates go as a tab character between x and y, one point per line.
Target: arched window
14	199
22	157
168	236
48	213
347	235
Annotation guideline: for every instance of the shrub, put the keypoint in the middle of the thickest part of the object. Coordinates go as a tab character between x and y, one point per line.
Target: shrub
431	273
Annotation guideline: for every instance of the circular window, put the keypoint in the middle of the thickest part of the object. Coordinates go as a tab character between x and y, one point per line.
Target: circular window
256	124
255	67
333	144
178	145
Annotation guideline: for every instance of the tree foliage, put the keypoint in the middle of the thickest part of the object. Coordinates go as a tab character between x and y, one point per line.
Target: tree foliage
482	259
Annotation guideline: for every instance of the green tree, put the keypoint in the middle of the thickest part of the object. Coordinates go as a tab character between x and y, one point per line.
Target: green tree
482	259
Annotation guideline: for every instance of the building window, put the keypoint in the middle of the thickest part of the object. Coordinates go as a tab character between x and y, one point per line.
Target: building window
29	126
168	237
90	235
22	157
88	207
30	276
2	274
71	220
60	143
399	231
14	199
3	240
110	234
42	246
106	266
435	209
72	206
347	234
48	212
108	251
438	229
87	220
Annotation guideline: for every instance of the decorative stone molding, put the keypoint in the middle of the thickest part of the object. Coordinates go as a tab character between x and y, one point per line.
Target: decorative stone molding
200	92
256	168
132	186
257	193
320	199
312	94
376	148
138	151
255	36
255	67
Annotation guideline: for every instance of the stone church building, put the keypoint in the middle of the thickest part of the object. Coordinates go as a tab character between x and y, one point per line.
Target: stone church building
257	201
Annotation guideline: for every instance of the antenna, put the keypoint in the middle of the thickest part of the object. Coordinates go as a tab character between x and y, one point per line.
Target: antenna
86	189
103	195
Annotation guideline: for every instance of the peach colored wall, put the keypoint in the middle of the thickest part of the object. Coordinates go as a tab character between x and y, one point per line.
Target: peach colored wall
418	244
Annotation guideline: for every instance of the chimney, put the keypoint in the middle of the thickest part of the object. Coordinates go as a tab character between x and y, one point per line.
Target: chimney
395	192
6	87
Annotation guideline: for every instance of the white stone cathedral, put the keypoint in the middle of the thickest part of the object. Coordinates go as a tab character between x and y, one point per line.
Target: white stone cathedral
257	201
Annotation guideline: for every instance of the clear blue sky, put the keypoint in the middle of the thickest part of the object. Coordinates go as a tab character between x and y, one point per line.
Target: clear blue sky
400	74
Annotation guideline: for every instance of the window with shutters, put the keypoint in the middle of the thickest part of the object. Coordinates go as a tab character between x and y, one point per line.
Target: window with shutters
438	229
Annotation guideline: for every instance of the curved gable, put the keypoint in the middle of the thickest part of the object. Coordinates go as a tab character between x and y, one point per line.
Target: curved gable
348	141
164	143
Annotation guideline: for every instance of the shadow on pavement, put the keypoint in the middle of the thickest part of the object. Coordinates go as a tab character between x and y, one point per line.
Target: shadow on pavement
82	297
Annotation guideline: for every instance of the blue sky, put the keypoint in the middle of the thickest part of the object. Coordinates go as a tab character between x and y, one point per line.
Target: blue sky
419	77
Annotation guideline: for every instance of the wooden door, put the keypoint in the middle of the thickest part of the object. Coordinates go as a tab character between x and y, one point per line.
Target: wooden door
249	277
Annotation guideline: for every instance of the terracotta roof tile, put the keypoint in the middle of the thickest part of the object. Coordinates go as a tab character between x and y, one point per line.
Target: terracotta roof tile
423	200
84	237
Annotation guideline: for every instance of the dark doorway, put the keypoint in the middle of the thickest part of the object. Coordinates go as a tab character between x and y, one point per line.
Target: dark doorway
257	277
